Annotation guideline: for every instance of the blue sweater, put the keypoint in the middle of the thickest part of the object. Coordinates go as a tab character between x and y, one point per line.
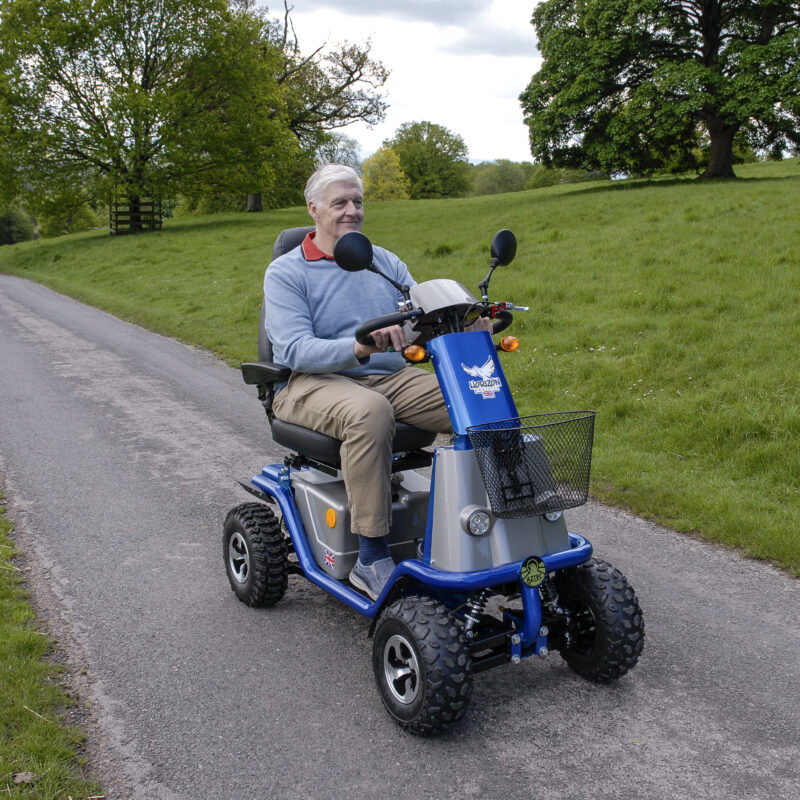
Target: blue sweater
314	307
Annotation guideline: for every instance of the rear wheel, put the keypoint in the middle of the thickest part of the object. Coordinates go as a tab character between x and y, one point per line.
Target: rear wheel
605	633
256	554
422	666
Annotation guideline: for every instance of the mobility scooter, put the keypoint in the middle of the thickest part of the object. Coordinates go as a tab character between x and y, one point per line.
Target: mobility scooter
487	572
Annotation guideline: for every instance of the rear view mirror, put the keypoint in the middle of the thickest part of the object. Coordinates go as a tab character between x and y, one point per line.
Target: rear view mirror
504	248
353	252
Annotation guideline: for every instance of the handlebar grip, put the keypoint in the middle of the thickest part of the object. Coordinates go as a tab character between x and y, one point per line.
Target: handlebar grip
502	320
364	330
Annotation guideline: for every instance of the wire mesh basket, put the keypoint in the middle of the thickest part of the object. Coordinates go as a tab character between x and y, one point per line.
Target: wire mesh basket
535	465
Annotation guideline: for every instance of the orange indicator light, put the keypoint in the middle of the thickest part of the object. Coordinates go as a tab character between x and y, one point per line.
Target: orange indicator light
415	353
509	343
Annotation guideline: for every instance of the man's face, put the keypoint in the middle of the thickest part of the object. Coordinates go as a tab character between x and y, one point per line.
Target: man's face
341	209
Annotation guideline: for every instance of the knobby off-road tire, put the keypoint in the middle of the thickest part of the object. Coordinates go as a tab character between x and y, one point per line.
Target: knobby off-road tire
422	666
256	554
607	625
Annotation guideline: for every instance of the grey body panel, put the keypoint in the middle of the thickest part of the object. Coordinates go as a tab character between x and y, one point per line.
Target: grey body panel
459	484
316	493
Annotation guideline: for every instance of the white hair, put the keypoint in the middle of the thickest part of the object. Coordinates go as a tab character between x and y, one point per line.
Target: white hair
326	175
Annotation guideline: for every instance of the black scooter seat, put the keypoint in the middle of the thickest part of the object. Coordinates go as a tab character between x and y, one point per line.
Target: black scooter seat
313	444
319	447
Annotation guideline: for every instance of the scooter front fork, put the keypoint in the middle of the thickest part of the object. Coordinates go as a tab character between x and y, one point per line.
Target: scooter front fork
530	636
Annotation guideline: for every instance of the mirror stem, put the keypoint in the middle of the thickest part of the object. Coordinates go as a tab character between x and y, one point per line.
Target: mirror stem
484	284
401	287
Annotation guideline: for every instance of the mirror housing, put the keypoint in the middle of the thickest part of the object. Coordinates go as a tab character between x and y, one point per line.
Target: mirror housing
353	252
504	248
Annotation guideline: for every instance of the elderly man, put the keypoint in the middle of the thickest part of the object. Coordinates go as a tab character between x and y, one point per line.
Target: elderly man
342	388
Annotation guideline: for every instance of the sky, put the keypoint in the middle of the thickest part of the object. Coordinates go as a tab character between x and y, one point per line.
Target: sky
458	63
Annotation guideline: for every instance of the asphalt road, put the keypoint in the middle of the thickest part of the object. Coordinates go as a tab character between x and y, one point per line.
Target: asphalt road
119	448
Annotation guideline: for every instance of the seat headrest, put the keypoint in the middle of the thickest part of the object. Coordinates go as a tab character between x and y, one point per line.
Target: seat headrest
288	239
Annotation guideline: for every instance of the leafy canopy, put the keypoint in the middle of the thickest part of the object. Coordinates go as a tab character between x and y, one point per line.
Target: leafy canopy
383	177
502	175
135	94
194	95
636	85
433	158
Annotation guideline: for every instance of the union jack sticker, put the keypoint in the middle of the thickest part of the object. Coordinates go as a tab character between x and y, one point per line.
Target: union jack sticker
330	558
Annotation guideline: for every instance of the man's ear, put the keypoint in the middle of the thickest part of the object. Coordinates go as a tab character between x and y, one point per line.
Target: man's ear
312	210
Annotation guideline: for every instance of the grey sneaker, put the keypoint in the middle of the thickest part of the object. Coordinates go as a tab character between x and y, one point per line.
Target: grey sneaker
373	578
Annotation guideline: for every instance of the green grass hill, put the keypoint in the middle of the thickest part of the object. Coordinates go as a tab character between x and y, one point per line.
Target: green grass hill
669	306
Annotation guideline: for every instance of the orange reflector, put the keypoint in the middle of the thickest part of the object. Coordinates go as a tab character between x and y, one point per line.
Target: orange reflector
415	353
509	343
330	518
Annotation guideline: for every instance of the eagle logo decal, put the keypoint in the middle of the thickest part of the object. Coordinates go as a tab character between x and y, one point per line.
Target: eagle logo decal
484	383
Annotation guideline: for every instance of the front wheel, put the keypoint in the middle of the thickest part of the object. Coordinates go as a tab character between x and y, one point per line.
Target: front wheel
256	554
422	666
604	636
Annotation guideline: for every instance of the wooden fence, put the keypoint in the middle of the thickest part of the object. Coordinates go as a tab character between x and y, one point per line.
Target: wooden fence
127	217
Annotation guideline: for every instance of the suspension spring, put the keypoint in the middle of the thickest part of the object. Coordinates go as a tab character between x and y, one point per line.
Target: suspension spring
475	606
550	601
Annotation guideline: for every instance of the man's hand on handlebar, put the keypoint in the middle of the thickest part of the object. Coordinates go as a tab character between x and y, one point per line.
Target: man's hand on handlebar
393	336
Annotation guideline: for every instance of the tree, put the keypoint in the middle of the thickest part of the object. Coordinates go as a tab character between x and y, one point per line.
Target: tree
502	175
130	95
198	96
327	91
15	226
433	158
244	142
383	177
10	173
323	92
340	149
632	85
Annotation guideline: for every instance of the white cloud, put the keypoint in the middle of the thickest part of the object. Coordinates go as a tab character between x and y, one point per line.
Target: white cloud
492	41
438	11
460	64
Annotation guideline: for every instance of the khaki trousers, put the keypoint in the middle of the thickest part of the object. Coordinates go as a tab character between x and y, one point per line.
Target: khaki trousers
362	412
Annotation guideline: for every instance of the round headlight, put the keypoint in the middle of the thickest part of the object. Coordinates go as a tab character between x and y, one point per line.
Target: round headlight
553	516
476	521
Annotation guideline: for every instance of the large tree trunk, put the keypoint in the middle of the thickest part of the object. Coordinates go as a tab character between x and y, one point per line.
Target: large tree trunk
720	164
136	214
254	202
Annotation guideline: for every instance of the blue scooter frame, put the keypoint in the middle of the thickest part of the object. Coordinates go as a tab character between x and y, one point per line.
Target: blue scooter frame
469	403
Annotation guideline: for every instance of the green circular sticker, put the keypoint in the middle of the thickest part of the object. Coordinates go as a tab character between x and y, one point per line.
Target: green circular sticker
533	571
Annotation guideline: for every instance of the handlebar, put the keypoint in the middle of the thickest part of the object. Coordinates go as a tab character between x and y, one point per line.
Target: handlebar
502	320
387	320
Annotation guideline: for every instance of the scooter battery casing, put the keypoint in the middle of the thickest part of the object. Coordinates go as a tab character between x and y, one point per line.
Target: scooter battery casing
321	500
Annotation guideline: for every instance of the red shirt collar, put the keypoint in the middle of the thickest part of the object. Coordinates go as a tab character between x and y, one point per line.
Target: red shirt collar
310	249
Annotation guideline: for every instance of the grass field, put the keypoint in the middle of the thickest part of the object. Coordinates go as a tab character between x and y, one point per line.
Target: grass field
668	306
37	749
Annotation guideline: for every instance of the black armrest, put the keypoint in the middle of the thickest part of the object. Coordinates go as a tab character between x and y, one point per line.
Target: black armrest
258	372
